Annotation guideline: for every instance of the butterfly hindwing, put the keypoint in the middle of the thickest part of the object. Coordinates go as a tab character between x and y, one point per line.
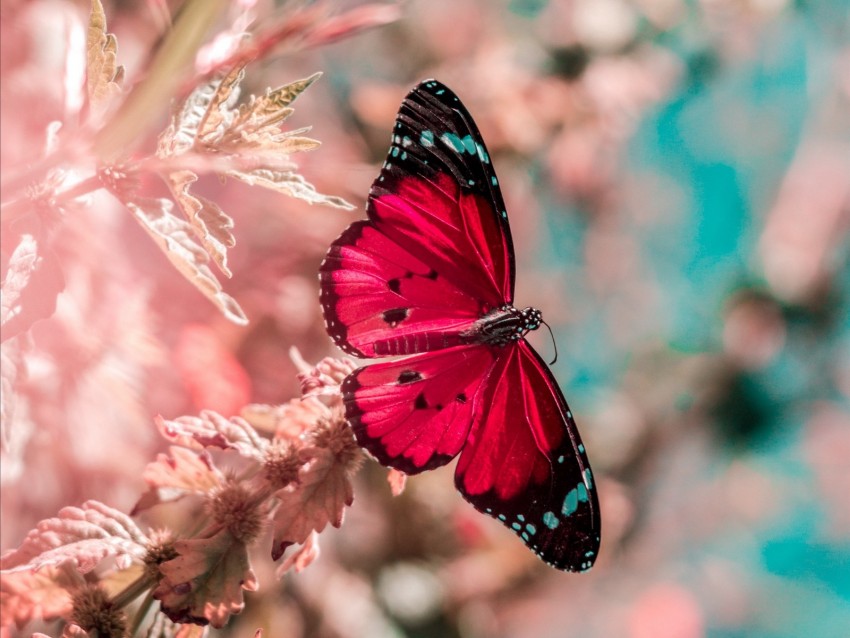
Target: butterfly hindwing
414	414
524	463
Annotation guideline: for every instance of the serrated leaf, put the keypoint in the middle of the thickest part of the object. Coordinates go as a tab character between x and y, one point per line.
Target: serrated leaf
320	496
204	116
180	473
289	183
103	76
31	276
81	537
273	107
219	115
213	430
302	557
288	421
205	582
211	224
172	235
28	595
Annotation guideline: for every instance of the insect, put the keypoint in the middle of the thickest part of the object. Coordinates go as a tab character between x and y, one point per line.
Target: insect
430	275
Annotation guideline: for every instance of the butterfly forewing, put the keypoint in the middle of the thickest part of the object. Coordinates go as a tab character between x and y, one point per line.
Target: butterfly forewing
379	300
436	253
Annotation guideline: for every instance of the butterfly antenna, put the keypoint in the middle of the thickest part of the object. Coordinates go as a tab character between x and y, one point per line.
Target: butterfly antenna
554	344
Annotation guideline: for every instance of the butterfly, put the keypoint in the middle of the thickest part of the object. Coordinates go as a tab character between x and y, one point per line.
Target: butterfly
430	276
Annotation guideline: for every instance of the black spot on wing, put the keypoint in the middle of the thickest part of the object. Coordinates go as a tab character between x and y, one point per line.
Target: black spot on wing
421	403
461	398
395	316
394	284
409	376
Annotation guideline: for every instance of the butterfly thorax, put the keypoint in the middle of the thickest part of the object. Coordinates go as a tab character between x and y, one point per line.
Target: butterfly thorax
503	325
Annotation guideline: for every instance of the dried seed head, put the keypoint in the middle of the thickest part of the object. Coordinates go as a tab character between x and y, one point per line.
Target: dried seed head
281	464
94	611
235	507
160	550
336	436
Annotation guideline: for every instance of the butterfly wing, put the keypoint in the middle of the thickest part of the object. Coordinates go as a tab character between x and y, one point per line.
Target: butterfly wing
414	414
436	252
524	463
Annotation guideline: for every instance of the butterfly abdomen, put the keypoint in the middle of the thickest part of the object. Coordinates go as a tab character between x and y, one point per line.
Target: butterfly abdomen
417	342
501	326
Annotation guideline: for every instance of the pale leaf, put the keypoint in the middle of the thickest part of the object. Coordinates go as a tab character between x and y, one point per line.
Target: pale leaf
205	582
172	235
80	536
397	480
289	183
11	367
213	430
171	477
27	595
31	277
273	107
302	557
211	224
271	146
325	377
162	627
319	498
103	75
204	117
290	420
218	116
73	630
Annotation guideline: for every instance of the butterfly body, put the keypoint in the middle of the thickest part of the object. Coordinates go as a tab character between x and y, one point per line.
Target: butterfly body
429	276
501	326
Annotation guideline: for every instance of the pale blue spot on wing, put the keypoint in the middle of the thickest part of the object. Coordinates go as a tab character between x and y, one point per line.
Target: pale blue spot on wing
501	517
494	180
581	447
550	520
588	478
570	503
482	154
531	528
520	518
427	138
561	459
516	526
454	141
582	493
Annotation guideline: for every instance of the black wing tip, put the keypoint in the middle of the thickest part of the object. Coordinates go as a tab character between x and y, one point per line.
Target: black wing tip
575	553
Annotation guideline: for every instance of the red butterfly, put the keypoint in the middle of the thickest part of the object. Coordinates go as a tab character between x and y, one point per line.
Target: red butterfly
430	274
